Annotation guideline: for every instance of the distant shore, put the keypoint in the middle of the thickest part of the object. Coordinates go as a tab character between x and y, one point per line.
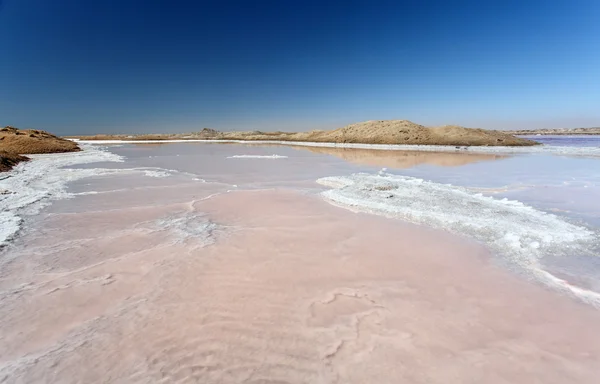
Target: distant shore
387	132
557	132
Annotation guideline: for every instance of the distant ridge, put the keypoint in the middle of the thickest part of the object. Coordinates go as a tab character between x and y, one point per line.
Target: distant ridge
557	131
367	132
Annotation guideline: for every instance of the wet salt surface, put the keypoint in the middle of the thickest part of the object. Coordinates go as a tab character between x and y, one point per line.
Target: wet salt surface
563	186
560	185
574	141
553	183
365	300
519	234
163	227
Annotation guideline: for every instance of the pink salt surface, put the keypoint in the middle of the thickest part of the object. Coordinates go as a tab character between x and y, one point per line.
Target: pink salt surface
292	290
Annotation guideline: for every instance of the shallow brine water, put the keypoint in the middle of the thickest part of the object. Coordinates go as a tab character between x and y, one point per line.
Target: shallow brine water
539	212
232	262
568	140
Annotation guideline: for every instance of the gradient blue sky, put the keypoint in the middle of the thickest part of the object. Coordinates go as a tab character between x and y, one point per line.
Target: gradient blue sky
75	66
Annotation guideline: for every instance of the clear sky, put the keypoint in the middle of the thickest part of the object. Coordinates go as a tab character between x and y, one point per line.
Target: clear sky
84	66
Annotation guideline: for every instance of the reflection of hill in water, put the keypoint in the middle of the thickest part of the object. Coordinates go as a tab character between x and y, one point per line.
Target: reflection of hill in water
147	145
403	159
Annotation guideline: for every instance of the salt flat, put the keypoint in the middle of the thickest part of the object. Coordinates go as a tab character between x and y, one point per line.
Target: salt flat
223	263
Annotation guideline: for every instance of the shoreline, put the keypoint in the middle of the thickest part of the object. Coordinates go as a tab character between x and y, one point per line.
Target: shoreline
574	151
556	134
34	184
559	132
9	160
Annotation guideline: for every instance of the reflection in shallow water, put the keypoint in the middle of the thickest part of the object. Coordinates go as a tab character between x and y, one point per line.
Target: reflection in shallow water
360	156
147	145
403	159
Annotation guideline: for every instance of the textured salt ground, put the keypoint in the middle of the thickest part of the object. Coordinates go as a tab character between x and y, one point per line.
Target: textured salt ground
288	289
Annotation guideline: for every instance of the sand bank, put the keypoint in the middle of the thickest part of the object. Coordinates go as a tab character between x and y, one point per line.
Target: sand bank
228	289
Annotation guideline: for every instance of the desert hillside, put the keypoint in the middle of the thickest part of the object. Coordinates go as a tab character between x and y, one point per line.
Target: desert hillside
368	132
397	132
16	142
29	141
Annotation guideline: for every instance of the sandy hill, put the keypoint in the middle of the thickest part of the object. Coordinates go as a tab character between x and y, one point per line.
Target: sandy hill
392	132
28	141
368	132
15	142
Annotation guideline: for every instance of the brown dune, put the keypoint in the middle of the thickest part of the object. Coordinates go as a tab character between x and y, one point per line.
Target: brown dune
392	132
368	132
29	141
16	142
9	160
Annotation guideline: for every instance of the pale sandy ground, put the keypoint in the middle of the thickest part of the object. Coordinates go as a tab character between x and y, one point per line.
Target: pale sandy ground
292	290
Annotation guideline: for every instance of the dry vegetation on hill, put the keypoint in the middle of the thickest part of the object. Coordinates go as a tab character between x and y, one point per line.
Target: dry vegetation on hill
392	132
29	141
16	142
369	132
9	160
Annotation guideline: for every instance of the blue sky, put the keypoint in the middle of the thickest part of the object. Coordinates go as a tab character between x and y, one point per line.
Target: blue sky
72	66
